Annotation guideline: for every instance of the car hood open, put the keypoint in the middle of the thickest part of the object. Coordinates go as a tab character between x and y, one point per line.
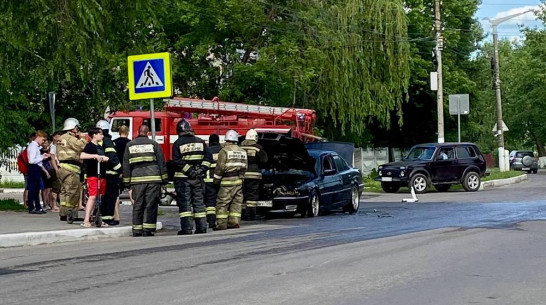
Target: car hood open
285	153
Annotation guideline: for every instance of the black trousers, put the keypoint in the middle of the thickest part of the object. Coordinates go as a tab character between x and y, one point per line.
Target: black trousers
146	198
190	201
108	202
33	185
251	195
211	192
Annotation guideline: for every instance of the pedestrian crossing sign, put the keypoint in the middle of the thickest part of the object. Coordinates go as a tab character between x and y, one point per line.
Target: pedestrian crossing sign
150	76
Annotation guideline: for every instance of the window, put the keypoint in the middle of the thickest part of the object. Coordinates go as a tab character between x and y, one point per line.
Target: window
465	152
446	154
327	164
340	163
117	123
157	124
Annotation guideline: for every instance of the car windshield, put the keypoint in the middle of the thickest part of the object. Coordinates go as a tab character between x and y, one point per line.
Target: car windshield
420	153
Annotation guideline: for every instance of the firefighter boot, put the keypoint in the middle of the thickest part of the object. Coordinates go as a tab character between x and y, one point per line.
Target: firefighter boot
200	225
186	226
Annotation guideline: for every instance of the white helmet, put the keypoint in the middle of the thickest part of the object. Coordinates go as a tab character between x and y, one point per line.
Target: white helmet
251	134
103	124
232	136
70	124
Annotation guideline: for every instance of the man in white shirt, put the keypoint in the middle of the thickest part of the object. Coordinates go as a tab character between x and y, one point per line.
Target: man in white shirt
35	168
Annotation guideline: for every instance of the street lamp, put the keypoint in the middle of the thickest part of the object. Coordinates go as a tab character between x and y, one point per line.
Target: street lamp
494	23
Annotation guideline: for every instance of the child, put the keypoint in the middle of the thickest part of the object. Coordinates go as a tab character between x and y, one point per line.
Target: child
91	154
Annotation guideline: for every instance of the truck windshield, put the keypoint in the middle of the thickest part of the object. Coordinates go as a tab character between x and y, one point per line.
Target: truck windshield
420	153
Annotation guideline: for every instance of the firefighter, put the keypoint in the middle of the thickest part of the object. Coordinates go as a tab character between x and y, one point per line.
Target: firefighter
229	174
113	171
144	170
191	158
253	175
211	190
69	148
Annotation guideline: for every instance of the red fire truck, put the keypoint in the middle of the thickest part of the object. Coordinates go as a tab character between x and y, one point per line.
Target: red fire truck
213	116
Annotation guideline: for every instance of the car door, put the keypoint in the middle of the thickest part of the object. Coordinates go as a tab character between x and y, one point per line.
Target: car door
343	193
328	182
466	156
443	167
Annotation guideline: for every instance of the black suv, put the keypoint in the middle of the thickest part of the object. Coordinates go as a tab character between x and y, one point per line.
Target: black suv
435	164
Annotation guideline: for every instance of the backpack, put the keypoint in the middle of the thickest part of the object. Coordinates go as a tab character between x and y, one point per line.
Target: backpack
22	162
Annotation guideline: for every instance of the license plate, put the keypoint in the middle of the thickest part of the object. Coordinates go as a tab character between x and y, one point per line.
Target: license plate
291	207
386	178
525	169
265	203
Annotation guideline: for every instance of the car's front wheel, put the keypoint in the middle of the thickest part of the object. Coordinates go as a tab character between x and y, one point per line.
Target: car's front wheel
471	182
389	187
354	204
314	205
419	182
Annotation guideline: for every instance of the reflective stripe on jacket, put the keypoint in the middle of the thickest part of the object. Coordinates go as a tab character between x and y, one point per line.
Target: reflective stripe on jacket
143	162
231	166
214	150
190	152
256	156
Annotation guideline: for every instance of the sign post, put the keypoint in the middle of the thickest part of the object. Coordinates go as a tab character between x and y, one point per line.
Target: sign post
150	77
51	96
459	104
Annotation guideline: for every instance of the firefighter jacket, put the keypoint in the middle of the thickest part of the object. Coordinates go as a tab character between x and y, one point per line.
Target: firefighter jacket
189	154
214	150
256	156
69	149
143	162
113	167
231	166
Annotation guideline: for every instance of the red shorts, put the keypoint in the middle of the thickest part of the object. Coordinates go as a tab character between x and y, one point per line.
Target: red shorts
92	186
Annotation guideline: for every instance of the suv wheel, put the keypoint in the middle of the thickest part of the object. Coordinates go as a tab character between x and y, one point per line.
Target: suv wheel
390	187
419	182
471	182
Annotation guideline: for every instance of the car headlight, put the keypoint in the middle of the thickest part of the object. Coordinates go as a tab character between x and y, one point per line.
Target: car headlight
380	173
402	173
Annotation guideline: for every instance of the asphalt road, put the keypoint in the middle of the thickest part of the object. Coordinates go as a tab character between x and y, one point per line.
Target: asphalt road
449	248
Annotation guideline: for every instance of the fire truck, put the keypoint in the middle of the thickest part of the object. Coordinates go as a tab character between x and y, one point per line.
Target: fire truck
214	116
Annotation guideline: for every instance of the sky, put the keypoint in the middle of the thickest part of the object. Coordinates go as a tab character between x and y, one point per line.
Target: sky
500	8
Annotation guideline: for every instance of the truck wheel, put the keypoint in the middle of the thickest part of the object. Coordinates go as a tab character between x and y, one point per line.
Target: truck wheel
390	187
471	182
419	182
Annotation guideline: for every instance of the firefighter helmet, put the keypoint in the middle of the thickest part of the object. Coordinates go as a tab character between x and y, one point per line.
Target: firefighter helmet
182	126
251	134
103	124
232	136
70	124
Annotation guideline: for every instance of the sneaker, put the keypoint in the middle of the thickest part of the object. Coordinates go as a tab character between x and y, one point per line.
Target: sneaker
203	231
114	222
32	212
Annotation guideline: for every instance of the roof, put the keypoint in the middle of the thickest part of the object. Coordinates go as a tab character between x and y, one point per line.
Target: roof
446	144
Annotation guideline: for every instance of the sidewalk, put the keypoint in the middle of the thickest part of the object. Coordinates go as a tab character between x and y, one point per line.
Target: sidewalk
23	229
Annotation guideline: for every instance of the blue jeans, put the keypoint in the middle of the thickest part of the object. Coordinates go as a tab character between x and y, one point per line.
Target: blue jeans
33	182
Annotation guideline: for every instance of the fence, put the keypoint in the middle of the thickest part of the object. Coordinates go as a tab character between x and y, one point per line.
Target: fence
8	165
369	158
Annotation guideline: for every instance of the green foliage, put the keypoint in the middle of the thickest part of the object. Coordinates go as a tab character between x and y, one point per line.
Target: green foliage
11	205
12	184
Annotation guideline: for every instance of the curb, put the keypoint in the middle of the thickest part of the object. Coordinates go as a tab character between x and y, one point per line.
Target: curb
6	191
487	185
49	237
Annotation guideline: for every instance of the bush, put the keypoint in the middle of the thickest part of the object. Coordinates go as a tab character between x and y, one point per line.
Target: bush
11	204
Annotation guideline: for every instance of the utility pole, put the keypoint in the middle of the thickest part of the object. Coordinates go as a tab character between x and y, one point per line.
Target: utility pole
439	48
500	132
